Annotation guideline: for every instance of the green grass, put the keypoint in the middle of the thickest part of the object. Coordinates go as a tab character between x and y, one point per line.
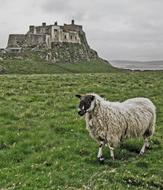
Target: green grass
32	64
44	143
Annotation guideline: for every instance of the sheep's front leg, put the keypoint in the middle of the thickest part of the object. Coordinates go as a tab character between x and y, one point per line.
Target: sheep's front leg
145	145
99	155
111	151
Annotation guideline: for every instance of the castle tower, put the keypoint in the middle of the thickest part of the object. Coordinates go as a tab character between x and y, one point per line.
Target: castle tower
32	29
73	22
44	24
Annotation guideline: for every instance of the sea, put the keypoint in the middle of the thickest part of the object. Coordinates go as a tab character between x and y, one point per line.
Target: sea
134	65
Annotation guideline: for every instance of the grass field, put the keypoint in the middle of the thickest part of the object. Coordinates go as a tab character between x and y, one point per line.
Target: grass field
32	64
44	143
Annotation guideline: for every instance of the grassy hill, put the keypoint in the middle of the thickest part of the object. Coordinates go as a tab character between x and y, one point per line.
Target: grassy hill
44	143
32	64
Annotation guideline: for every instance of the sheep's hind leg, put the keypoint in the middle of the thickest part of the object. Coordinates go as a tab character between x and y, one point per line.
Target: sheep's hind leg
145	145
99	155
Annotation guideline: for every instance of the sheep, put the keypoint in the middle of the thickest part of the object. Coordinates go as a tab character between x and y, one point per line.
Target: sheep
109	123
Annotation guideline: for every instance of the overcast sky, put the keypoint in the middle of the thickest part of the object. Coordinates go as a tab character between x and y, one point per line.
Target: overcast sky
117	29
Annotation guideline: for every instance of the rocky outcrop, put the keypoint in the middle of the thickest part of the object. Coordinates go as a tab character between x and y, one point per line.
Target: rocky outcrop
67	52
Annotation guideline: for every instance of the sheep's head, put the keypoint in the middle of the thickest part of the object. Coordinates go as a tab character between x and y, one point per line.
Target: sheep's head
87	104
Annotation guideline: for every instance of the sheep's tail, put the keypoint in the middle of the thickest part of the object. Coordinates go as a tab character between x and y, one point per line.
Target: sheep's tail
150	131
152	127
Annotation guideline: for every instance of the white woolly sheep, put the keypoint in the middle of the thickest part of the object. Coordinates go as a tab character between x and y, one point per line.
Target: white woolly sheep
110	122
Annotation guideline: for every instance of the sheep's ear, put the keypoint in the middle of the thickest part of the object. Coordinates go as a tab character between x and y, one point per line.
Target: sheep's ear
78	96
92	98
102	95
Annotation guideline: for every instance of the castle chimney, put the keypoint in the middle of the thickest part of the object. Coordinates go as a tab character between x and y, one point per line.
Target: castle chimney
73	22
56	23
44	24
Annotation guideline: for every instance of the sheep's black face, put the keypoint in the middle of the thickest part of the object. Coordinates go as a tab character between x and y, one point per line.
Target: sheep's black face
85	104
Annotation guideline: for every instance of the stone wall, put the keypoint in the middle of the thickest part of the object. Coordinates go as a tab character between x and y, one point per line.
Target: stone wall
70	27
33	40
16	40
66	33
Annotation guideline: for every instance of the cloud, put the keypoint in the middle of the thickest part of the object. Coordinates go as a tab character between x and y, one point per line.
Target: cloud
130	29
56	6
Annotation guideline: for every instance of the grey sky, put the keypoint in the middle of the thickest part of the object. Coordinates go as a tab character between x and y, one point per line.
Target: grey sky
117	29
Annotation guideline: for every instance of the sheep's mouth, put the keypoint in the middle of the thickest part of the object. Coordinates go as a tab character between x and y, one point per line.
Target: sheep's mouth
82	112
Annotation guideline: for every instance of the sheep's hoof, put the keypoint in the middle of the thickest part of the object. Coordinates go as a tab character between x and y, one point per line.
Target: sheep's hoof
141	153
101	160
148	146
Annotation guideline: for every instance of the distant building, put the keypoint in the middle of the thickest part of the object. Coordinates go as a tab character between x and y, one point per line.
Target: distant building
45	35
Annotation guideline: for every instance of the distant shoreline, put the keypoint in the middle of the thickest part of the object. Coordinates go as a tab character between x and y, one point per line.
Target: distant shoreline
137	65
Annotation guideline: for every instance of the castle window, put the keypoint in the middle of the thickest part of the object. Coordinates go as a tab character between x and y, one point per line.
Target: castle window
55	30
71	37
65	37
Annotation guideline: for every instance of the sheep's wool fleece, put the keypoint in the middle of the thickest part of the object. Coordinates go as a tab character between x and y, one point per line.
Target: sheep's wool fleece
114	121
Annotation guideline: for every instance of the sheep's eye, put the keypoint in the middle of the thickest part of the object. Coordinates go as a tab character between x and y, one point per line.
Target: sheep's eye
87	105
81	105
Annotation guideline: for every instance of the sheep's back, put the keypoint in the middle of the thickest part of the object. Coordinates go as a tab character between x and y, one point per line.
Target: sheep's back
139	114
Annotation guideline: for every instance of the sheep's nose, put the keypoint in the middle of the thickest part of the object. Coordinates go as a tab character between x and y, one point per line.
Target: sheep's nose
81	112
78	109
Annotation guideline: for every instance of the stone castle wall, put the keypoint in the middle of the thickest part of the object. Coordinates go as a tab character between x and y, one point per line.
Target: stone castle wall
33	40
16	40
46	34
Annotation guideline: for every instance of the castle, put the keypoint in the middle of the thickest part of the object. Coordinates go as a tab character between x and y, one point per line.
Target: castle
65	42
46	35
